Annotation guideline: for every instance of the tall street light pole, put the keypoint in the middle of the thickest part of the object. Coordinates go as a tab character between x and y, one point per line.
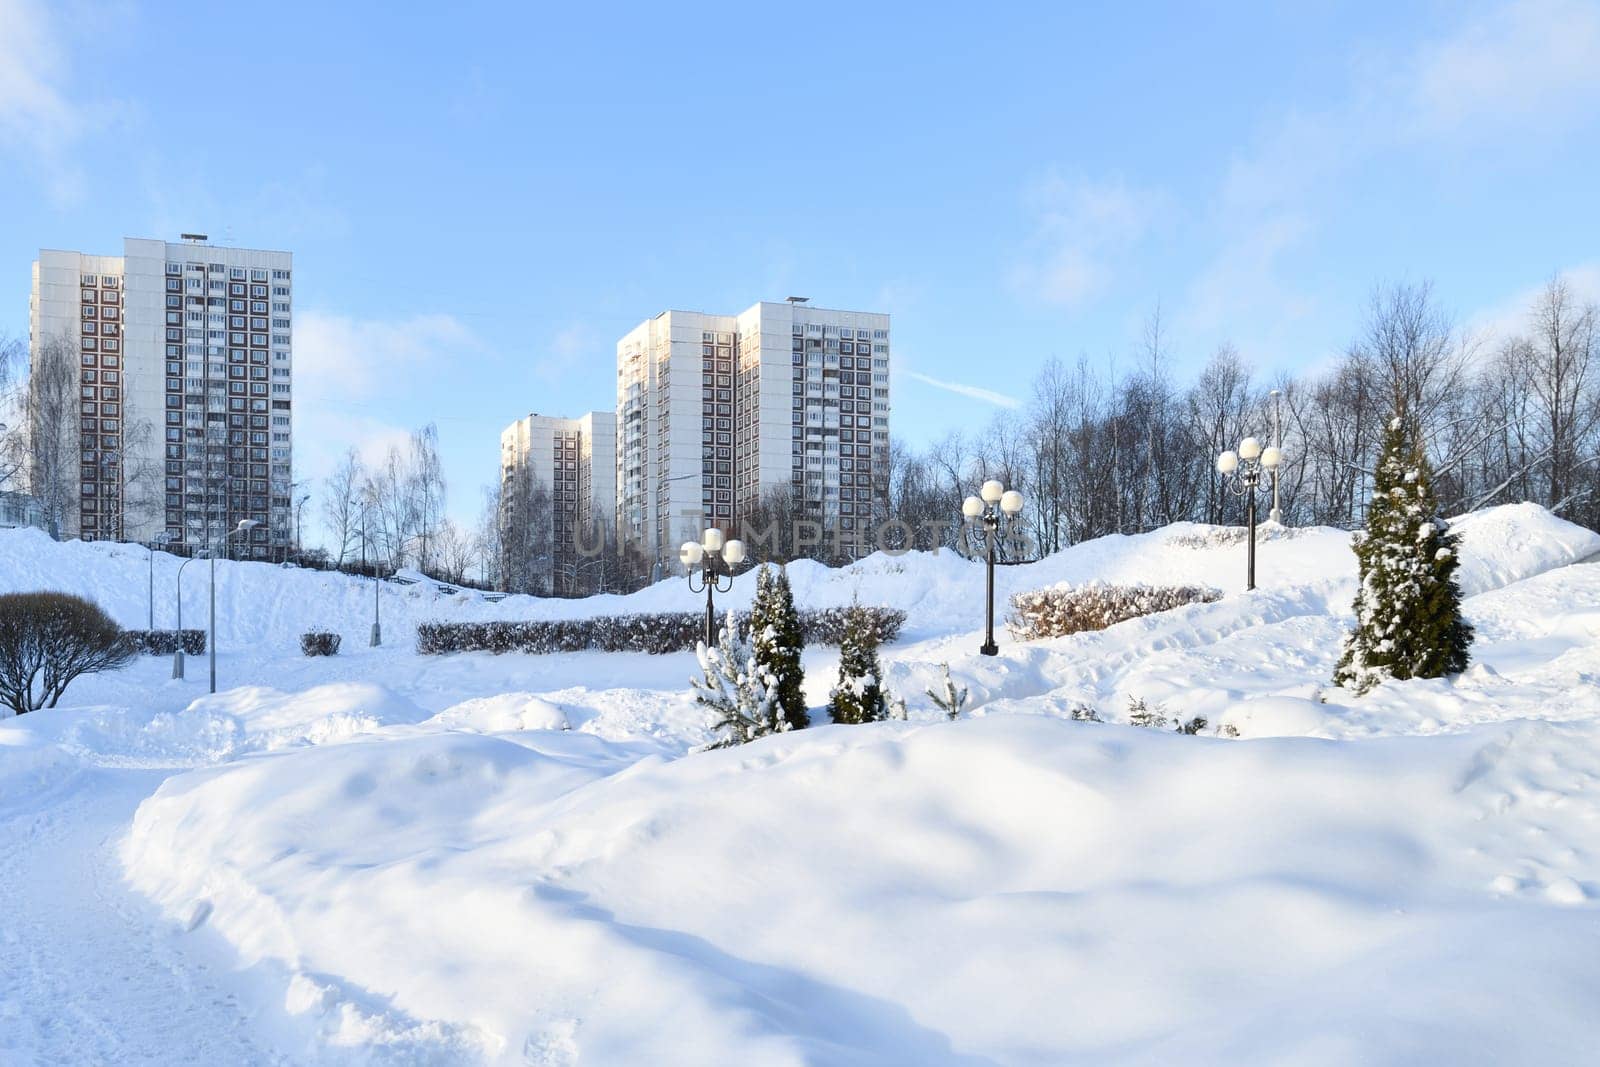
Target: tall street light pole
705	555
377	625
177	656
997	504
159	539
1241	473
245	526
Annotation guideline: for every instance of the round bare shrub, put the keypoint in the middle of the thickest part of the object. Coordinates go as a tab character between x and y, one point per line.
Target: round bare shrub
47	640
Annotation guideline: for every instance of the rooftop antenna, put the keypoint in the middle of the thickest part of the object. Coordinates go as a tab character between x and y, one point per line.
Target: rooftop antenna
227	236
799	299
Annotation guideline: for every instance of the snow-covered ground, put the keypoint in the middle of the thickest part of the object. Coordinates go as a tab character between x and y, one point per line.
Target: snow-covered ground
381	857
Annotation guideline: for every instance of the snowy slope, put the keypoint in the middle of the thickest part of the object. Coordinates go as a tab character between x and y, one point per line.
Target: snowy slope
381	857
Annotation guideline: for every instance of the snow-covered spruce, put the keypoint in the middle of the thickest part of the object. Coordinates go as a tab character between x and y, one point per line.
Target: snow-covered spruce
858	696
950	698
1408	609
742	697
779	640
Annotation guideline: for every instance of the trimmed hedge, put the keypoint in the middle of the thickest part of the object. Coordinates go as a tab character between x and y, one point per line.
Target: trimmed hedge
1070	610
165	642
319	643
656	633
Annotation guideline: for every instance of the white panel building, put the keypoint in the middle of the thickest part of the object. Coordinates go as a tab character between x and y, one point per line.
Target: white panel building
716	411
185	368
575	462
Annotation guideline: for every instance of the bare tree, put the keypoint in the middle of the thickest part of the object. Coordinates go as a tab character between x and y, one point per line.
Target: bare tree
341	506
1560	355
51	411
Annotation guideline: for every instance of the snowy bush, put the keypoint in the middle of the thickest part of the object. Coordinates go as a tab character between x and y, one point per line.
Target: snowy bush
47	640
1073	609
165	642
743	698
858	696
1227	536
656	633
949	698
319	643
1141	713
828	626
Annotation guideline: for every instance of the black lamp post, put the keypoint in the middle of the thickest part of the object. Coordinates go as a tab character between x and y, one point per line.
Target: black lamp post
704	556
1241	474
996	505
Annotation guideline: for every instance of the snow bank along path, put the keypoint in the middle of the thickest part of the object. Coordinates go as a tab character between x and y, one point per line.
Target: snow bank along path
414	861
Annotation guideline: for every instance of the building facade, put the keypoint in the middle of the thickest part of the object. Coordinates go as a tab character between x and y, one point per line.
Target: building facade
717	412
183	355
558	492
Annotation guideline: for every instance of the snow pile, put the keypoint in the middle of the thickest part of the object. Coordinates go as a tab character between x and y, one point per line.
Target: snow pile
517	859
923	893
261	606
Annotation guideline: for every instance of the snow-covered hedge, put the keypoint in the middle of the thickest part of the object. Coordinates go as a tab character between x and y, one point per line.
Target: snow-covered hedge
657	633
1072	609
165	642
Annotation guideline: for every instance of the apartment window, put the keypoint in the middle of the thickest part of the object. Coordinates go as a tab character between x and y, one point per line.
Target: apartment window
280	275
258	275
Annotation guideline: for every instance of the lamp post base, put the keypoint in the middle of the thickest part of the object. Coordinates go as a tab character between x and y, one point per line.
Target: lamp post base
177	660
377	635
989	648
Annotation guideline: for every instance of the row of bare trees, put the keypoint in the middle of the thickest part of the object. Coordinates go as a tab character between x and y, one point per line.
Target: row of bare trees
1505	419
392	513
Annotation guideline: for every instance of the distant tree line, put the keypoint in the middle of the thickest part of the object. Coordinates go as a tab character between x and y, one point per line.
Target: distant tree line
1097	452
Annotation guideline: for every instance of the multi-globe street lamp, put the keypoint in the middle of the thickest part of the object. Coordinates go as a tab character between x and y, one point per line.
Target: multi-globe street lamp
997	504
1241	474
705	555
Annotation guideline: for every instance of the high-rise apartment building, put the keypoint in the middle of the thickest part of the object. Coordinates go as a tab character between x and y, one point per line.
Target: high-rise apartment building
716	411
183	356
558	547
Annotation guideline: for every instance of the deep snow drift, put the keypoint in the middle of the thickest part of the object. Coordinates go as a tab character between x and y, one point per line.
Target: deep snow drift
513	859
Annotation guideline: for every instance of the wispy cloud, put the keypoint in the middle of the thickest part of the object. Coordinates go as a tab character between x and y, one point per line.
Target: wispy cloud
1529	59
1527	65
1510	317
350	359
972	392
39	123
1084	230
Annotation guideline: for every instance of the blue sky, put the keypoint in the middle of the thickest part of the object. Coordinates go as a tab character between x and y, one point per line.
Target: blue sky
482	199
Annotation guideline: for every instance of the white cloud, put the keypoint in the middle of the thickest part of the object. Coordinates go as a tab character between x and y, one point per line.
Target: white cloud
1084	230
1509	317
39	124
344	359
1530	59
972	392
1533	64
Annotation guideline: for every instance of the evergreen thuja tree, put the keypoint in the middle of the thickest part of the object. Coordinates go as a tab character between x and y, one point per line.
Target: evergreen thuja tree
743	699
1408	610
786	654
858	696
